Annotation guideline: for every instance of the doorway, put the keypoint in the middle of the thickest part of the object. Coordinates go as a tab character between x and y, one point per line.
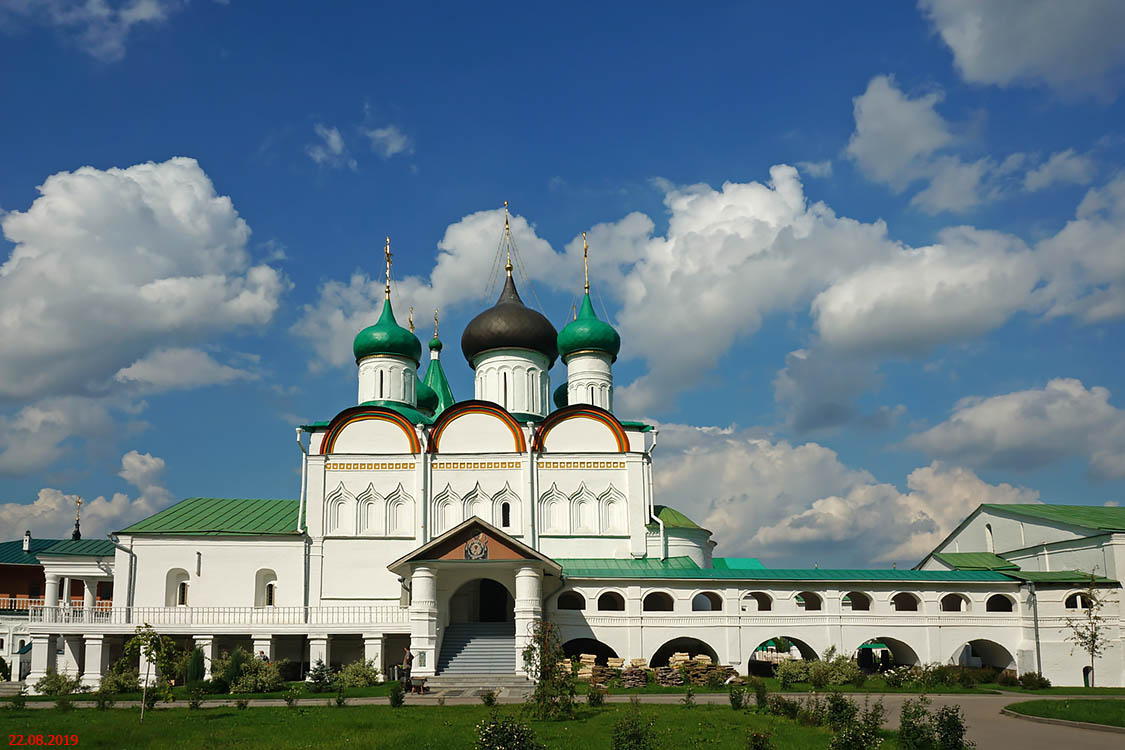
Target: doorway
482	600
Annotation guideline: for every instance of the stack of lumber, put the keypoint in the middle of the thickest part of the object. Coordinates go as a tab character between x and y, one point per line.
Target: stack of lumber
634	676
615	663
668	676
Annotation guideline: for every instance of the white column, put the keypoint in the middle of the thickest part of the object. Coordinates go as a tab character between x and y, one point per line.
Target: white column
89	595
94	666
318	649
206	644
423	620
72	655
51	598
42	655
528	608
263	644
373	649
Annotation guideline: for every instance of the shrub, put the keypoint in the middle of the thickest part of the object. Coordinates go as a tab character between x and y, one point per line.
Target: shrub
358	674
897	677
819	674
488	698
759	740
632	732
150	698
688	701
840	712
195	696
258	676
341	700
1034	681
19	700
242	704
397	694
232	666
498	733
5	670
195	667
595	696
915	731
320	677
811	713
862	732
54	683
103	699
1007	678
716	678
779	705
792	671
761	692
291	696
121	679
949	729
737	697
62	702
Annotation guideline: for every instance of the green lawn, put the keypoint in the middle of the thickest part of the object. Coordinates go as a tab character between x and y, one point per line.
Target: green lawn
180	694
1061	690
873	685
1108	711
415	727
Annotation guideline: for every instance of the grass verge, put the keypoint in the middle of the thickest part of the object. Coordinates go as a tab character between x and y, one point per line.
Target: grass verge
1108	711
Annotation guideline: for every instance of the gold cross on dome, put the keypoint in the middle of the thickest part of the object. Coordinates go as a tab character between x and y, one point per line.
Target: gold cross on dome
387	253
585	263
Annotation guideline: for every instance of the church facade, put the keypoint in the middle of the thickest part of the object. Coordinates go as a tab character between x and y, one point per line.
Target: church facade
449	527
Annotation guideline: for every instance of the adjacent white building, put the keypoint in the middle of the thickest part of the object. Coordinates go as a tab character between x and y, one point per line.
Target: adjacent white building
452	526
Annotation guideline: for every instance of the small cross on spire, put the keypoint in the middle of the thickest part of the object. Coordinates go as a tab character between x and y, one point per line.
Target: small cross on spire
507	239
410	319
435	322
387	253
585	263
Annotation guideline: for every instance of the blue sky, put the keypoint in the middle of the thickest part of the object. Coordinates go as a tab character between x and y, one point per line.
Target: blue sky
866	260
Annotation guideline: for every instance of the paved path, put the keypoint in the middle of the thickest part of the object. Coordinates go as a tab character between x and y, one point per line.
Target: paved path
990	729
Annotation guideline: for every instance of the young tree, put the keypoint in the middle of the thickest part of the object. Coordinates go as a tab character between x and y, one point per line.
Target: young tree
546	663
1088	631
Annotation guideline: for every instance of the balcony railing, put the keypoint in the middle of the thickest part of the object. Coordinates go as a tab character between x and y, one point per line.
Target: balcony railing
360	615
18	604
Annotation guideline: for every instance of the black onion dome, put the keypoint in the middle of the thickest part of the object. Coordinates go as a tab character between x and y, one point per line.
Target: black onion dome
510	324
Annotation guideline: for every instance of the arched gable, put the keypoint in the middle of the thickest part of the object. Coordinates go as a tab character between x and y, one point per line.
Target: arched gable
362	428
446	511
581	428
475	502
506	495
476	427
339	511
554	512
399	513
369	512
612	511
583	511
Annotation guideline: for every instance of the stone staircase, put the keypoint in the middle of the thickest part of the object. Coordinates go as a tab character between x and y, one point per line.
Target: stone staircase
478	648
10	688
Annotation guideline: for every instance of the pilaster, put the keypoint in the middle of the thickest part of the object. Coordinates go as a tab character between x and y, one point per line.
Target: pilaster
94	666
423	620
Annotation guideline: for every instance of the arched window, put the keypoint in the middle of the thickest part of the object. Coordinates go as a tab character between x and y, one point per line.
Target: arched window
757	601
857	601
1	644
904	602
571	600
658	601
1078	601
611	601
380	396
176	588
504	396
505	515
988	538
809	601
265	588
998	603
707	601
953	603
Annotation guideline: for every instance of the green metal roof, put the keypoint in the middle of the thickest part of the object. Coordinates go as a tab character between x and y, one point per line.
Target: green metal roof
975	561
636	426
214	516
406	410
674	519
1056	576
11	553
436	379
1091	516
685	567
314	426
736	563
82	547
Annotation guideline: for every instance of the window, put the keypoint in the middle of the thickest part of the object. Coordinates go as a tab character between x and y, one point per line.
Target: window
658	601
176	588
707	601
1078	601
269	594
998	603
904	602
857	601
988	538
181	594
1	644
504	395
505	515
953	603
611	601
265	588
571	600
380	391
809	601
757	602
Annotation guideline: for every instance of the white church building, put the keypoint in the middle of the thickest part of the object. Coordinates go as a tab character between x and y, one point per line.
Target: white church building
451	526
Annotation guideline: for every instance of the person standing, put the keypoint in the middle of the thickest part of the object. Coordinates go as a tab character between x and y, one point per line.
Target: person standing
407	662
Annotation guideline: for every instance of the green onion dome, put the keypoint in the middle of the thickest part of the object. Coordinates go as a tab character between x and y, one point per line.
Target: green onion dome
387	337
561	398
587	333
426	397
435	344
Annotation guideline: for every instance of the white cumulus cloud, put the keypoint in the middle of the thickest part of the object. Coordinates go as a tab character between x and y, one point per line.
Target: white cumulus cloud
1033	428
1072	47
167	369
388	141
1066	167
